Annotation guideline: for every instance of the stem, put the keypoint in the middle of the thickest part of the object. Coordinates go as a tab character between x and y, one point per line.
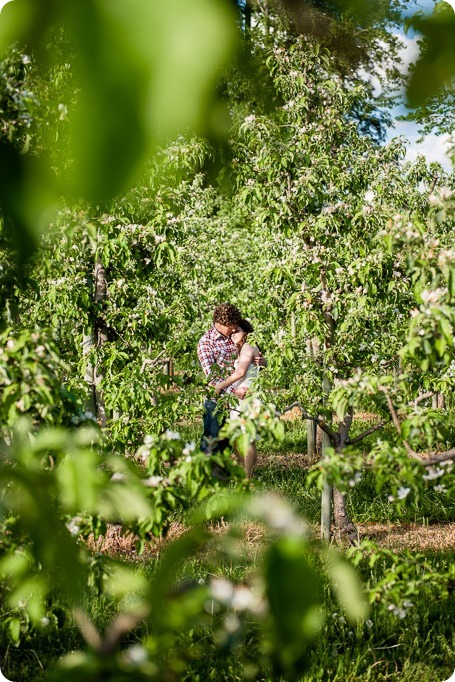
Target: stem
366	433
319	421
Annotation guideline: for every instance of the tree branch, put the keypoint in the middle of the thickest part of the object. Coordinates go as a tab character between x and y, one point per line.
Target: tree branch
437	457
320	422
393	412
434	457
156	361
424	396
366	433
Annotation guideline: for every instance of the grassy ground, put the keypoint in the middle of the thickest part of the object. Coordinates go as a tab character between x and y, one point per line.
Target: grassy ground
416	648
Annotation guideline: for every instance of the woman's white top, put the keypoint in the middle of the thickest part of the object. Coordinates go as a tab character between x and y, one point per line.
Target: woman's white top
247	381
251	373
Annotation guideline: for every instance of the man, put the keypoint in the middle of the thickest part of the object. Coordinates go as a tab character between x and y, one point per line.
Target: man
216	353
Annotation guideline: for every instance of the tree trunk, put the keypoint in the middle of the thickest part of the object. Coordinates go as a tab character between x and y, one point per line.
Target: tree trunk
247	14
326	497
88	344
344	527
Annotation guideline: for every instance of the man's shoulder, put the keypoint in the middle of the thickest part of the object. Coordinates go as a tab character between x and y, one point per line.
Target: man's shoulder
207	337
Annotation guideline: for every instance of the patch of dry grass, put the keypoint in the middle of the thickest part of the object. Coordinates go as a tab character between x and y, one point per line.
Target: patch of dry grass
437	537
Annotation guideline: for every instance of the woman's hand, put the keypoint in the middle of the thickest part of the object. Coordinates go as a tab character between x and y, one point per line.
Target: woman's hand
259	360
240	392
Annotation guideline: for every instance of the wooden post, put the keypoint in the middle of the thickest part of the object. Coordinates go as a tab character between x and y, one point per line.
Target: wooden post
327	491
311	438
310	424
437	401
88	343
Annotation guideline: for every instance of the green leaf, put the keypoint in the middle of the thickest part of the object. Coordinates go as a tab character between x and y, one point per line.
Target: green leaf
348	587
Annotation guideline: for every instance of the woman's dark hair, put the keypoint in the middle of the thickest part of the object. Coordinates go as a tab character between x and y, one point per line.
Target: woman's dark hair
246	326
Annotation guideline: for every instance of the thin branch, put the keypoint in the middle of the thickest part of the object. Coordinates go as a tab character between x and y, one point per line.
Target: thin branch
434	457
320	422
120	626
152	363
392	410
366	433
424	396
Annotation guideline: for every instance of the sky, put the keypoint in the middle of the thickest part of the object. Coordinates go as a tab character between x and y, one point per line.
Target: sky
433	146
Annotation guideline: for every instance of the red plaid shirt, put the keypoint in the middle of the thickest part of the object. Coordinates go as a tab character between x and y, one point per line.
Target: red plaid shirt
216	354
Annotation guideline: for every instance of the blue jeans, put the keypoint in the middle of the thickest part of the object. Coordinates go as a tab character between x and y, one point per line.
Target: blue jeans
213	422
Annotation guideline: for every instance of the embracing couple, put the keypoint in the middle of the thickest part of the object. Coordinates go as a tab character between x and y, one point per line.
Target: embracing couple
222	350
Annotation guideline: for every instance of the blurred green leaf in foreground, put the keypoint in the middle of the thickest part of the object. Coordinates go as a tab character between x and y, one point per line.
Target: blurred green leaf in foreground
141	71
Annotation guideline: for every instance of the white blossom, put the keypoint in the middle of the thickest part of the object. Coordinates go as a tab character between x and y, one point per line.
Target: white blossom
118	477
73	525
188	449
222	590
171	435
433	473
433	296
136	654
153	481
403	493
440	489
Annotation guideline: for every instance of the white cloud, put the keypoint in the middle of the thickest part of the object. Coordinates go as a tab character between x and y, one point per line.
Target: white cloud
409	50
433	147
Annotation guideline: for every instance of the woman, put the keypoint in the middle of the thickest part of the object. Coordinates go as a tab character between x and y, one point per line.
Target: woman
243	376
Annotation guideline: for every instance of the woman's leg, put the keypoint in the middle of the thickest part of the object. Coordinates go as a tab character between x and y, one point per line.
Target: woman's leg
250	459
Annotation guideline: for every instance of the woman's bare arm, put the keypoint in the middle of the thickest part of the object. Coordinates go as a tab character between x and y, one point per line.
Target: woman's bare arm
245	359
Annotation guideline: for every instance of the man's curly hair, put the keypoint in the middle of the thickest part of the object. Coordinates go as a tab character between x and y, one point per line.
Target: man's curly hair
227	314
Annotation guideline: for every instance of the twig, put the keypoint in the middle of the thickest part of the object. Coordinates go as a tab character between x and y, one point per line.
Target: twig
36	656
120	625
149	361
366	433
320	422
392	410
435	457
424	396
87	629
